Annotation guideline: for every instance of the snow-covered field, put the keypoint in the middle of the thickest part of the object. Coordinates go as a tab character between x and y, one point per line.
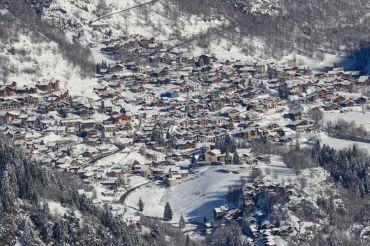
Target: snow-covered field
360	118
194	198
337	143
277	168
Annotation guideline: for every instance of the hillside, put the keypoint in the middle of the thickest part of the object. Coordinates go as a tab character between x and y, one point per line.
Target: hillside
32	50
306	32
39	207
184	122
309	29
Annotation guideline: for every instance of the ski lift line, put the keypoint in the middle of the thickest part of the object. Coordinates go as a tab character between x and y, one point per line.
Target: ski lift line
123	10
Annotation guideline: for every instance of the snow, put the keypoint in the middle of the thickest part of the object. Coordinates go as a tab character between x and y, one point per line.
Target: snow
338	144
56	208
328	61
112	159
277	168
43	59
360	118
194	198
52	137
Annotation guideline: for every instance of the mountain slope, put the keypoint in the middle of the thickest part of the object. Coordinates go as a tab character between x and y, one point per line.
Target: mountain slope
29	193
32	50
267	28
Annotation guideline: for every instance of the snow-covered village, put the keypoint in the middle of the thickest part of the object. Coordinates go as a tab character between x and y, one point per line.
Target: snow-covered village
195	140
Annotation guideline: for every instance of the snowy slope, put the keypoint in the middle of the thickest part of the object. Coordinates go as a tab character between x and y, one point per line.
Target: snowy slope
193	198
28	57
150	20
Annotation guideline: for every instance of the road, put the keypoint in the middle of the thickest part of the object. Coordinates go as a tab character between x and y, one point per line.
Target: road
95	160
127	193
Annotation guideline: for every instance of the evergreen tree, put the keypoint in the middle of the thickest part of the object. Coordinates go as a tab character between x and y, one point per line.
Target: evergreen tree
227	157
167	215
187	240
205	219
141	205
236	160
181	222
57	234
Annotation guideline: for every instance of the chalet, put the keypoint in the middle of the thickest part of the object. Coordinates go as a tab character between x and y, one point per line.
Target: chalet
205	59
9	105
360	100
291	71
363	80
214	80
159	72
270	104
219	212
48	86
137	89
7	91
58	130
116	85
261	67
71	122
86	112
31	99
101	90
109	182
213	155
124	120
185	144
347	103
116	68
142	170
296	115
109	130
16	135
338	99
301	125
322	94
11	115
248	133
149	98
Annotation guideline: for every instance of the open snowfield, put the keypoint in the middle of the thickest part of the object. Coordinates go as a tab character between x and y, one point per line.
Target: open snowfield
361	119
277	168
337	143
195	198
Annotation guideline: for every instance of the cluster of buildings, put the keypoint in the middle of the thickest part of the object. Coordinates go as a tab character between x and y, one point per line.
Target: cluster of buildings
167	113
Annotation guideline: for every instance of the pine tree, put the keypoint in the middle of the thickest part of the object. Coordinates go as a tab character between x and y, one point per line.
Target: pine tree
187	240
181	222
6	191
167	215
236	160
227	157
141	205
57	234
97	68
205	220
